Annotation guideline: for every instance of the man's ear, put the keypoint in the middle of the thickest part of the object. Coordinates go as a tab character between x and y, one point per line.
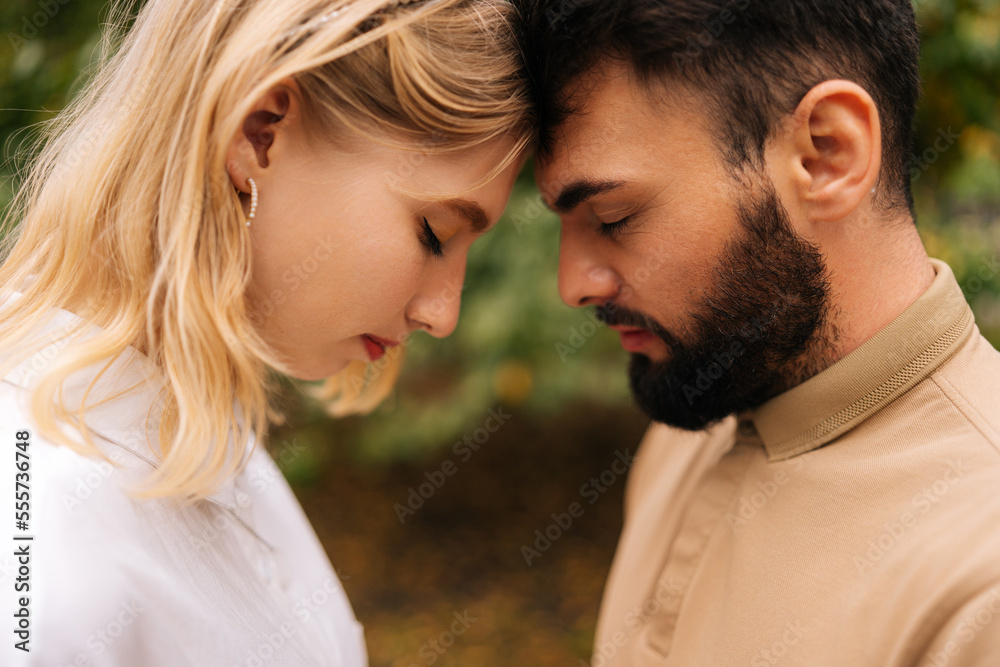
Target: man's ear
249	150
833	152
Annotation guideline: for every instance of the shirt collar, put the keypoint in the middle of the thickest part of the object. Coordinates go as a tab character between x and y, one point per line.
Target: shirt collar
886	366
126	397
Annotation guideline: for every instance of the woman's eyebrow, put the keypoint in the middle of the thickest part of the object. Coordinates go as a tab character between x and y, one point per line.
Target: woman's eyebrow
471	211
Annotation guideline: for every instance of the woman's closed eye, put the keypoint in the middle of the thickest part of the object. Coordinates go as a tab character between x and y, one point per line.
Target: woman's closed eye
430	240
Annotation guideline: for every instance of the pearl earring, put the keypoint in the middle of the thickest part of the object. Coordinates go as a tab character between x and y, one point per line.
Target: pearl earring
253	201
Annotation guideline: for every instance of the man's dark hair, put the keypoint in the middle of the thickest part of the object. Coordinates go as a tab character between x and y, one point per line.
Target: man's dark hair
753	60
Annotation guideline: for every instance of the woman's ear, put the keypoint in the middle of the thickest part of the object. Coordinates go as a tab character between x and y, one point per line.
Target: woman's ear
833	152
250	148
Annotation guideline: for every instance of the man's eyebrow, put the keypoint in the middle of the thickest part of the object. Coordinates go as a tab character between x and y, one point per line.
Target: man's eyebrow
580	191
471	211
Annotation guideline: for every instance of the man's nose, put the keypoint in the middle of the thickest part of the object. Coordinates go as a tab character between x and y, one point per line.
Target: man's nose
585	279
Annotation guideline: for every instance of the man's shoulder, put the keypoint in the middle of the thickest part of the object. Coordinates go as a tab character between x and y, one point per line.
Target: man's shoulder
970	382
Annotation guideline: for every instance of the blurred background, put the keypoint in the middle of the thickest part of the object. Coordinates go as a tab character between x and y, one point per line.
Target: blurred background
425	505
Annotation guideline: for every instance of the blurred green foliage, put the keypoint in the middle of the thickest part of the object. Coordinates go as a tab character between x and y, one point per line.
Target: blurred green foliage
517	345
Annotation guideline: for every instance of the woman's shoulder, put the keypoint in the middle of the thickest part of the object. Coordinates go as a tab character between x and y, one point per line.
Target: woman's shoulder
74	502
73	523
87	527
62	471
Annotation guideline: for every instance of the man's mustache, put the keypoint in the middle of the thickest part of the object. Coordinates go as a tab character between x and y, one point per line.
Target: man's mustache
614	315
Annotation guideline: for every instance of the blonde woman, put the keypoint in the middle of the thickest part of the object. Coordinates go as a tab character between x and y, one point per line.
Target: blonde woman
246	188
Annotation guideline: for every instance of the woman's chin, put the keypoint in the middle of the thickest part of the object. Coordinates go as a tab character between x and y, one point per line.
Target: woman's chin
314	372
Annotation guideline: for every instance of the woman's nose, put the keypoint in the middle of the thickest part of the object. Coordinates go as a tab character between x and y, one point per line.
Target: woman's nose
436	308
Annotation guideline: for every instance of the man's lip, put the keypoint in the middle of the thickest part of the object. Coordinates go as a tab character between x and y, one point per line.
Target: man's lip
627	330
635	340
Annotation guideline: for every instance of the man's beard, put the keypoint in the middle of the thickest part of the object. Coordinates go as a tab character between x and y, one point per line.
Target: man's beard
759	329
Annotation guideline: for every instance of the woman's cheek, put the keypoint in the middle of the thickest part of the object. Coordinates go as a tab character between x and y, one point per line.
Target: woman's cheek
384	286
401	287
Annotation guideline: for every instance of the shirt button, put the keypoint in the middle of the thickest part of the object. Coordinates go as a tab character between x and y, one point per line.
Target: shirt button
266	570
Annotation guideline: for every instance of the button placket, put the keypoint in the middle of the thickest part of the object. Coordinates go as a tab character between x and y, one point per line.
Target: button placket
715	494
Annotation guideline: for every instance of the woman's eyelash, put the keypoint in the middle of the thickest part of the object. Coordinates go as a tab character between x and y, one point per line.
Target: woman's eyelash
613	230
429	239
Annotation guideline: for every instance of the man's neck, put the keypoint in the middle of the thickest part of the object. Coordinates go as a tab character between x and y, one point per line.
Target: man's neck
873	281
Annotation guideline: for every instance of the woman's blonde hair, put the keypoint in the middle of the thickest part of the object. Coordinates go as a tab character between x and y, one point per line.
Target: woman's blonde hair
128	218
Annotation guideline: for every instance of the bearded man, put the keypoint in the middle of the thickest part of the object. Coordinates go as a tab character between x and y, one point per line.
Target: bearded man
820	483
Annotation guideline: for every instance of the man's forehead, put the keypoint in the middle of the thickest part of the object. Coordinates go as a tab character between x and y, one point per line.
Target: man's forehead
599	104
600	142
612	96
616	122
610	105
598	128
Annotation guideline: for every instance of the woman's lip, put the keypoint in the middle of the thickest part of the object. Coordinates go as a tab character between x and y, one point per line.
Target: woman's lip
374	348
384	342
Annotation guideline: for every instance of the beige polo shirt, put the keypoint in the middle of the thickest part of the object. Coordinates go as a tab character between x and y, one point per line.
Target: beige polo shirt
853	520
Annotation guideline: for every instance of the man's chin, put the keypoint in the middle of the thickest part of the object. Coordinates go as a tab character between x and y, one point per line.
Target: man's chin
673	415
684	405
661	398
654	356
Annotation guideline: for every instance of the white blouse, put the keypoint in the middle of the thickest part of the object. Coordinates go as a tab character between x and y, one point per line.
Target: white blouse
237	580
